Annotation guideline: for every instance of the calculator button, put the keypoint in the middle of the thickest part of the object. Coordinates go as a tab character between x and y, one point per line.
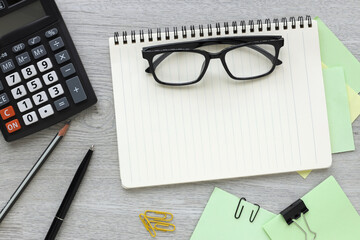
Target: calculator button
33	41
34	85
29	72
19	92
18	48
56	91
50	78
39	52
46	111
51	33
1	86
25	105
61	104
56	44
76	90
7	66
3	99
40	98
13	79
62	57
23	59
44	65
67	70
7	112
13	126
30	118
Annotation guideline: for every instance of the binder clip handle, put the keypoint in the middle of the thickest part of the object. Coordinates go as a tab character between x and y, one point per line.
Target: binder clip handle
294	211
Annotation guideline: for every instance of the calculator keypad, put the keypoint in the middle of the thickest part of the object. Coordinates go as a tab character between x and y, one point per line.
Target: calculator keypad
40	80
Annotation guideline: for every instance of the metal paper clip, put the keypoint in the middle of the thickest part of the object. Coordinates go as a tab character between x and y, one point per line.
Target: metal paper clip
158	216
147	225
296	211
251	218
163	226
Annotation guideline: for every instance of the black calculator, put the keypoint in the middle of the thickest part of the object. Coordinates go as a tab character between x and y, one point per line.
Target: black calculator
42	79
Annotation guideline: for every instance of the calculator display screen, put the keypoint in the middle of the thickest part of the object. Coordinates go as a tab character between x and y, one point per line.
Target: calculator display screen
21	17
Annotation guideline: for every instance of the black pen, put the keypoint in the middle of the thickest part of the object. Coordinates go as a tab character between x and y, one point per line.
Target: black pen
70	194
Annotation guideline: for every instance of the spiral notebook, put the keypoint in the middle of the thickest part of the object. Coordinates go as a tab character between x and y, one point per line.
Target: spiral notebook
220	128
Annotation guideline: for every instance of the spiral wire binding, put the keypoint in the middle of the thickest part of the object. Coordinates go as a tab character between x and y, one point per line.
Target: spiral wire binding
268	24
218	29
301	20
201	30
234	26
241	28
209	30
192	30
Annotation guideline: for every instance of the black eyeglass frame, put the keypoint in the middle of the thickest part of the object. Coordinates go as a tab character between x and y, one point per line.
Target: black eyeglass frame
237	42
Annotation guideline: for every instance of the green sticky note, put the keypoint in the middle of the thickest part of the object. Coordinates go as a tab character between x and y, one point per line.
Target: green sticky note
218	221
335	54
331	216
341	134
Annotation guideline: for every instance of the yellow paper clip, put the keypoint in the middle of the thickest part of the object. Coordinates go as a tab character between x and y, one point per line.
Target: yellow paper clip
158	216
163	226
147	225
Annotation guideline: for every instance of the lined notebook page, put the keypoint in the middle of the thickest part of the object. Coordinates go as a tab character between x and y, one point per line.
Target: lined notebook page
221	128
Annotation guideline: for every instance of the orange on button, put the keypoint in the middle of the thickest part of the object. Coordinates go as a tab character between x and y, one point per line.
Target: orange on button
7	113
13	126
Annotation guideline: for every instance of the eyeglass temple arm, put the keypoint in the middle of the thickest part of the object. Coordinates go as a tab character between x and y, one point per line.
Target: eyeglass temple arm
266	54
256	48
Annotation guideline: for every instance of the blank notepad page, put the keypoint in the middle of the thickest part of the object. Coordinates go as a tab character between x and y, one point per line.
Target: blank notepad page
220	128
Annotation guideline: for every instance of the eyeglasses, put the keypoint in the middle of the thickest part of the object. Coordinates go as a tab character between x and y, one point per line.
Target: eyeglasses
244	58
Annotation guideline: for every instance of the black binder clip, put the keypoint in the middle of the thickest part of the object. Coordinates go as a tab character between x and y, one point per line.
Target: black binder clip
251	218
295	211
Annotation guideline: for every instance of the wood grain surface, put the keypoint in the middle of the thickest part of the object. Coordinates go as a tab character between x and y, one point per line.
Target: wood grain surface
102	209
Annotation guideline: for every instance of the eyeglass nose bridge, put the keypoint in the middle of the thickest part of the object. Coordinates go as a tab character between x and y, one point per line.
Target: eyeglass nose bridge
215	55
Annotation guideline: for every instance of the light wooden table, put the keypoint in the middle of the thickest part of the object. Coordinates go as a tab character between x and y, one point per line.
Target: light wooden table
102	209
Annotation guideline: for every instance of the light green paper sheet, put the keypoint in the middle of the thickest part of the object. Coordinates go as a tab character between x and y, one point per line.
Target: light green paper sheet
218	221
335	54
341	134
331	215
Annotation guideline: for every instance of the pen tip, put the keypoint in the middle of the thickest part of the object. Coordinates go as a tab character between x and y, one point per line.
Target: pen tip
92	148
63	131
